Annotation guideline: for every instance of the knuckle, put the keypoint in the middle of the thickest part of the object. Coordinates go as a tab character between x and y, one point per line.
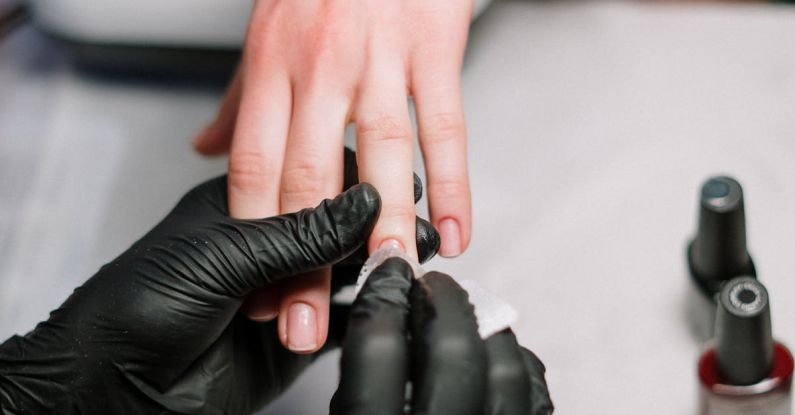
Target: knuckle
447	188
304	183
444	127
384	129
325	51
324	45
257	43
255	46
398	212
250	172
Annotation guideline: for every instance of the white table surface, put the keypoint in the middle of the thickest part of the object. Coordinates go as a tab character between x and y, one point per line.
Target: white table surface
591	126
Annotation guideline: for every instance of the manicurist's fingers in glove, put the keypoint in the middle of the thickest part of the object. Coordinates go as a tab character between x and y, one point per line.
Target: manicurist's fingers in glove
425	332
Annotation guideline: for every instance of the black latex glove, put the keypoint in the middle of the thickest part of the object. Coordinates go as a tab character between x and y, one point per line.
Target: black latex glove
158	331
424	332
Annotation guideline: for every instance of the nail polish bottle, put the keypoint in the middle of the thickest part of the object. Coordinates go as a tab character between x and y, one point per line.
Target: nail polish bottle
718	252
745	371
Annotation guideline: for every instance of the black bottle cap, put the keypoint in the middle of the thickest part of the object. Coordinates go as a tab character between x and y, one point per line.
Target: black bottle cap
743	336
718	253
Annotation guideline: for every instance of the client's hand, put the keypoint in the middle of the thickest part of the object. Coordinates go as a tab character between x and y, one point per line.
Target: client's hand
309	68
424	332
158	330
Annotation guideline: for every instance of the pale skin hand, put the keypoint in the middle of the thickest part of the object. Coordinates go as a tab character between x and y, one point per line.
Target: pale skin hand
311	67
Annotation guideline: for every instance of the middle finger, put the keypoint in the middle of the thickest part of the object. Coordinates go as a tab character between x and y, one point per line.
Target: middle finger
313	171
385	146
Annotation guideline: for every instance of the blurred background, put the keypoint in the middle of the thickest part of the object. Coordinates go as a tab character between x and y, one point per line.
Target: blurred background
592	125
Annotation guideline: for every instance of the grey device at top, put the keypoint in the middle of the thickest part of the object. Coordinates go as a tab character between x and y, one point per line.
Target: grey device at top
718	252
743	334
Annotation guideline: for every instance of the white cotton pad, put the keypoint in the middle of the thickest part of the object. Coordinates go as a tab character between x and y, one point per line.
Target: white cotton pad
378	257
493	313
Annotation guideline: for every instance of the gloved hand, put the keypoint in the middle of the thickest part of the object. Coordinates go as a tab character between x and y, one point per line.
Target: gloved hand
158	330
424	332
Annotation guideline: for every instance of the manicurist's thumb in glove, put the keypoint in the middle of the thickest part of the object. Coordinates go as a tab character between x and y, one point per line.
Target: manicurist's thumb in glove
157	330
421	337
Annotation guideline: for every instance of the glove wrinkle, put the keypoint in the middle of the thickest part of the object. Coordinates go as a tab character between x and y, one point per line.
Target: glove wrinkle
197	389
24	376
327	234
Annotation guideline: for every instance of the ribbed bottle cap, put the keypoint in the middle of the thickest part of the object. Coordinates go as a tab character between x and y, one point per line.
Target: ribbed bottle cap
743	335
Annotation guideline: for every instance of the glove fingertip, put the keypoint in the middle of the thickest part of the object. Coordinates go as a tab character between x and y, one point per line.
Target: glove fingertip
417	188
428	240
351	170
390	282
360	204
366	192
539	392
438	295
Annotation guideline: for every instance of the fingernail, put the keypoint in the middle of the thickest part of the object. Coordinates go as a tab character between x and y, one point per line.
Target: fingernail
262	318
260	306
199	139
451	238
392	243
301	327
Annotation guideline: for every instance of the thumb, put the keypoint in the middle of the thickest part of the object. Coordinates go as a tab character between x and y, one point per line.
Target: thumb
375	354
252	253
